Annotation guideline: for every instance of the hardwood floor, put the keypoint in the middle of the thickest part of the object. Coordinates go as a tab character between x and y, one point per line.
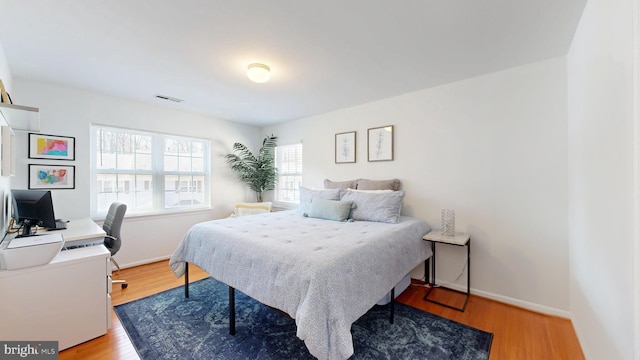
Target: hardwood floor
517	333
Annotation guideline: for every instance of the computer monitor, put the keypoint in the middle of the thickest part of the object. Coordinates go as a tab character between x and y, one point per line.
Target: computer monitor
31	208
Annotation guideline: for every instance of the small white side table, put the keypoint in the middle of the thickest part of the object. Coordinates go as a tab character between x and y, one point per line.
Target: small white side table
459	239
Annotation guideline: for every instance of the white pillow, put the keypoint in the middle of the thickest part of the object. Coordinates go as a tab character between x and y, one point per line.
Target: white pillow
243	209
379	206
307	195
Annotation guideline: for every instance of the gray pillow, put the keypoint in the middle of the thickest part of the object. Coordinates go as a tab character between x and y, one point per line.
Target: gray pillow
375	206
306	195
365	184
350	184
330	209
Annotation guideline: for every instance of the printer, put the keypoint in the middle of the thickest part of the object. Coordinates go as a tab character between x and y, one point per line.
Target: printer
22	252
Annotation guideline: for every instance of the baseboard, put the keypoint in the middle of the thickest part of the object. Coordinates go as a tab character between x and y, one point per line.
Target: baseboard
514	302
144	262
524	304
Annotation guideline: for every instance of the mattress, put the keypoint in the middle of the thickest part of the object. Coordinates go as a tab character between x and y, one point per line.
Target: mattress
324	274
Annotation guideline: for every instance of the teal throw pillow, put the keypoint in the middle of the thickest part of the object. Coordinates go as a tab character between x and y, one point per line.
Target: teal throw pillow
330	209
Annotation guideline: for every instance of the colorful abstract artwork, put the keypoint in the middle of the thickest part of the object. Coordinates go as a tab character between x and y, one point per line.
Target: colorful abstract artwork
52	147
51	177
57	177
42	146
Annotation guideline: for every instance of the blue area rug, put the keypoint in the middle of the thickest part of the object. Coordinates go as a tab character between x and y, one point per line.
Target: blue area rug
169	326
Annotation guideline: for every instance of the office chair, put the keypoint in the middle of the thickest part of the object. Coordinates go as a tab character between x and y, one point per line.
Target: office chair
113	240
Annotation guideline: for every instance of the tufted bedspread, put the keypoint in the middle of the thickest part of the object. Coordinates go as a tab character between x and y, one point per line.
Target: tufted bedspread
324	274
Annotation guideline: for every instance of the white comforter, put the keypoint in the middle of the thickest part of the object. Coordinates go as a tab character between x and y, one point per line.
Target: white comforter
324	274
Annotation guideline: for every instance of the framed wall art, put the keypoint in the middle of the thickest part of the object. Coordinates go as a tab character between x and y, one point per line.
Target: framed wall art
345	147
380	143
52	176
53	147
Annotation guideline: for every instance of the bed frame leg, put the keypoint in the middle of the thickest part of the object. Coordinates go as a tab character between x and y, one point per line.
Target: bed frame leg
393	304
186	280
232	311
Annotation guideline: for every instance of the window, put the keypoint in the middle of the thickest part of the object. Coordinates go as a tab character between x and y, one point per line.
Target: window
289	165
150	172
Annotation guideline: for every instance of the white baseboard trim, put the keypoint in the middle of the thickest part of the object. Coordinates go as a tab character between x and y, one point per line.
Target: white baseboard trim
514	302
525	304
144	262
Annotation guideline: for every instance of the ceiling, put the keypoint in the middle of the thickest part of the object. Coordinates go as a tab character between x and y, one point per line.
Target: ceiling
324	55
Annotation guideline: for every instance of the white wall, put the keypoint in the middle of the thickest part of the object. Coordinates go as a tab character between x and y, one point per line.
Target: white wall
5	181
601	180
69	112
494	149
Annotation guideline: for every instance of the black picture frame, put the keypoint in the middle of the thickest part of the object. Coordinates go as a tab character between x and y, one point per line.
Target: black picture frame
52	177
52	147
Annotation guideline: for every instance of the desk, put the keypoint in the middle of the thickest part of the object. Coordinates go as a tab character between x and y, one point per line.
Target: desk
66	300
80	232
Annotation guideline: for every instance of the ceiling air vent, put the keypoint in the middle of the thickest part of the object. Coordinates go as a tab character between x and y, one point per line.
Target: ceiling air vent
169	98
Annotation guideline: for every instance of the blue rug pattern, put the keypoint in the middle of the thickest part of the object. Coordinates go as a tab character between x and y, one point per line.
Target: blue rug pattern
169	326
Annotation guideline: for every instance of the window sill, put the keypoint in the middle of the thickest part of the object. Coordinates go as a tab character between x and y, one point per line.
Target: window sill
159	214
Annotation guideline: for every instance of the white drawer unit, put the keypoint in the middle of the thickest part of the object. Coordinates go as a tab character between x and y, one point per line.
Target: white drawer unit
66	300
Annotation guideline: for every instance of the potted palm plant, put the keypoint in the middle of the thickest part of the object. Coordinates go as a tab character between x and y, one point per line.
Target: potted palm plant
257	171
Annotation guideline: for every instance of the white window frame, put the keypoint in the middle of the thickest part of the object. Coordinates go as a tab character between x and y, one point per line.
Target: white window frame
288	172
157	173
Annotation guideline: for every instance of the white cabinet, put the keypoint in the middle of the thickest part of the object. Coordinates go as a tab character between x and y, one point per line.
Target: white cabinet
66	300
7	151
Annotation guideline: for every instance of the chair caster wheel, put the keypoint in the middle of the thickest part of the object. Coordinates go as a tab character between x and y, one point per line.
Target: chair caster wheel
124	286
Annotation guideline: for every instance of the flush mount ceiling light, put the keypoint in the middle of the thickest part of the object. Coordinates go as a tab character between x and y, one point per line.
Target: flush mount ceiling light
258	73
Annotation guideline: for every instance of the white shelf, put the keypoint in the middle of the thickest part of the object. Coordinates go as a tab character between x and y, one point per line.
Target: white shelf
21	117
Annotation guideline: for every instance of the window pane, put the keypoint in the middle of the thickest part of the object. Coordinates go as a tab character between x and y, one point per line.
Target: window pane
141	192
126	165
197	164
184	164
170	147
197	149
289	164
143	161
125	161
183	190
289	188
184	147
170	163
118	150
183	155
105	161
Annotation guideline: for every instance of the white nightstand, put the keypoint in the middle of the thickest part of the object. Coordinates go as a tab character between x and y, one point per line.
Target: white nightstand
459	239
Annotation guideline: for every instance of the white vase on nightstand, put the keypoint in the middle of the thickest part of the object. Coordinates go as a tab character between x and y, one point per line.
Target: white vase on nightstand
448	222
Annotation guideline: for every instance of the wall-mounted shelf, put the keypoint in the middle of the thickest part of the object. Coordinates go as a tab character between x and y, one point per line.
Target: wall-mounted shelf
21	117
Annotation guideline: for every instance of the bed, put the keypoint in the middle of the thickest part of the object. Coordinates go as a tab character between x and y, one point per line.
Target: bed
324	274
